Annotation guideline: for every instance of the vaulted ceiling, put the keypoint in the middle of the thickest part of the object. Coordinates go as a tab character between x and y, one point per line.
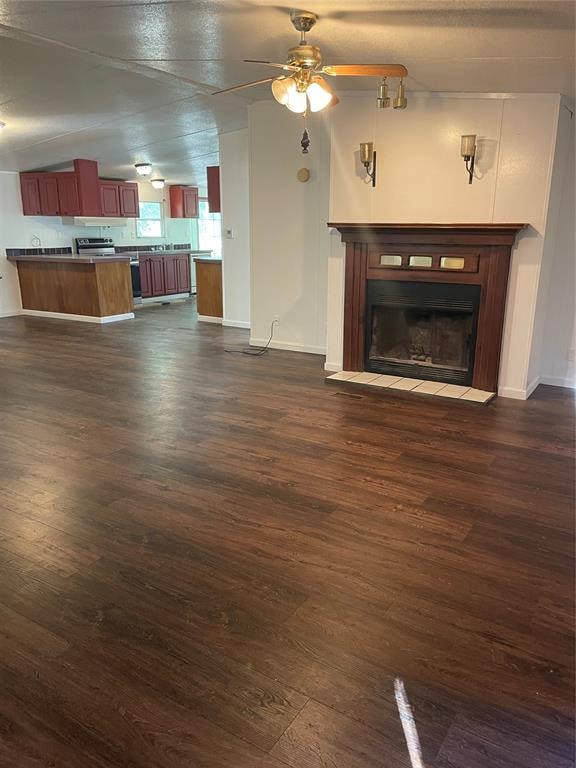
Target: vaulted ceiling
130	80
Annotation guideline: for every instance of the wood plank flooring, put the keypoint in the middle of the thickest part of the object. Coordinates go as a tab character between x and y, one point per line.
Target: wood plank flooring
212	560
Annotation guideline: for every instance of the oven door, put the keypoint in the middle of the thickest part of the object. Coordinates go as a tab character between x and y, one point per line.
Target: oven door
135	274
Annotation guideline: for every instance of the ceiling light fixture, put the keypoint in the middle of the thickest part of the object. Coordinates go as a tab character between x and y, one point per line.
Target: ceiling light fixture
158	183
383	100
303	87
400	102
143	169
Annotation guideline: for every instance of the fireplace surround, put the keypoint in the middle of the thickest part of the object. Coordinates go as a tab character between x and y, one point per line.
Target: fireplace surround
426	300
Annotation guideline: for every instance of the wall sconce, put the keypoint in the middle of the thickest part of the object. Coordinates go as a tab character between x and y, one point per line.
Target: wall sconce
368	158
468	152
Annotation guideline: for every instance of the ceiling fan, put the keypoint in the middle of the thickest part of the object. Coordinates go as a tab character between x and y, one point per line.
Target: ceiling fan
304	87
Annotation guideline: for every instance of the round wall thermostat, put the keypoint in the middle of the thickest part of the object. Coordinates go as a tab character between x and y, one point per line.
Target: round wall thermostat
303	174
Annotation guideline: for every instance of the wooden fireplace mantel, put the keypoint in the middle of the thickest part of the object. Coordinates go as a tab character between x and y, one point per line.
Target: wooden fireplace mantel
486	250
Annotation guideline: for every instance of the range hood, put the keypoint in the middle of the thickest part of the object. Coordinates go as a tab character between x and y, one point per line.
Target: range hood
94	221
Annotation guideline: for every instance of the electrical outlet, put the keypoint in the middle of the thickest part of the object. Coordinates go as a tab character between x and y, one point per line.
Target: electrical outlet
229	234
276	320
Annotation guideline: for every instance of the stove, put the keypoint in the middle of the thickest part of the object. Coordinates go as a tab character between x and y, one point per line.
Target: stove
94	246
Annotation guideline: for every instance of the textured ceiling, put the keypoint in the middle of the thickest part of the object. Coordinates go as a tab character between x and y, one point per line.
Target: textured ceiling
127	81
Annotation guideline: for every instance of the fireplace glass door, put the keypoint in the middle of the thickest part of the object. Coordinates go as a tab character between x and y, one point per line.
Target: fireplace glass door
422	330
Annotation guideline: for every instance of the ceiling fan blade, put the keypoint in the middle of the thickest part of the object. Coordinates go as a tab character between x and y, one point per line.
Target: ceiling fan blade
366	70
287	67
244	85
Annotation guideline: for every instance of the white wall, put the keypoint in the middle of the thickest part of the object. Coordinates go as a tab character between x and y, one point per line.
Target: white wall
235	201
558	317
421	178
289	237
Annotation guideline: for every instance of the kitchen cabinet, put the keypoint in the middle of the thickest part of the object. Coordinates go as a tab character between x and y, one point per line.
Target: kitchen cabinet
68	194
109	198
208	287
48	188
129	203
145	277
182	266
30	191
170	279
213	184
183	202
164	274
157	275
119	198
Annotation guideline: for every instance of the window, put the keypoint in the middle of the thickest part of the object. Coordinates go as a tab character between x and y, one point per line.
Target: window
209	230
150	223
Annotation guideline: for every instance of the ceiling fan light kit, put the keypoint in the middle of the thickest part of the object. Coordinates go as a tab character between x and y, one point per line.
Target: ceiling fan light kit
305	88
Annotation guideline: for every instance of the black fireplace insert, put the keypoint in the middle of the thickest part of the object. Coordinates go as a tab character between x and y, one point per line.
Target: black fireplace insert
422	330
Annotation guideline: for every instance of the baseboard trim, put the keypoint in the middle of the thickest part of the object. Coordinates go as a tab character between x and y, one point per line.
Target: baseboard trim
333	367
288	346
164	299
210	319
236	323
519	394
558	381
78	318
14	313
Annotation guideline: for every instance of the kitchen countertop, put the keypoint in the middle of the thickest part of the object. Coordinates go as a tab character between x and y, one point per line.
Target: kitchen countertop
140	254
71	258
207	260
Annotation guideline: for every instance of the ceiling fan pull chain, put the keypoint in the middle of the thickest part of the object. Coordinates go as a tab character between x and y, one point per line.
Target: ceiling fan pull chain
305	143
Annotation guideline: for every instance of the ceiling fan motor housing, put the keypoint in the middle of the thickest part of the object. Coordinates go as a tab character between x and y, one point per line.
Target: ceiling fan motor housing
305	56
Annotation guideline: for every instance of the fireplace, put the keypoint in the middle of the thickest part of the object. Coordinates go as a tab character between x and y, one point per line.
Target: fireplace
421	330
426	301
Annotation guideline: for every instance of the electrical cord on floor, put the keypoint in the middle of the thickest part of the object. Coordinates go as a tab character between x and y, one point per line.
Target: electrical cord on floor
255	351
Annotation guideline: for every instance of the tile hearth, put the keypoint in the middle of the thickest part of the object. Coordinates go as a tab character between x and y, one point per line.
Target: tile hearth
437	388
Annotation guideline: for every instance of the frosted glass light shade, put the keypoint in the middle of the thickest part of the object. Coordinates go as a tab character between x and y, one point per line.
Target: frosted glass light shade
319	96
366	152
281	87
143	169
468	145
296	100
158	183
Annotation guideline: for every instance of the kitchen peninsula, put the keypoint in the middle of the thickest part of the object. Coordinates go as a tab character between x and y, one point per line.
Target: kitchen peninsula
95	289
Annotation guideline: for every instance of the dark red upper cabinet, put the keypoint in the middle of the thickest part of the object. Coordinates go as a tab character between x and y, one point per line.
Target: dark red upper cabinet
213	181
109	198
129	203
48	188
30	192
88	187
68	194
183	202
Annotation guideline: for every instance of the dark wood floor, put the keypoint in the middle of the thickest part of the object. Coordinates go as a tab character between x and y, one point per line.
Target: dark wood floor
209	560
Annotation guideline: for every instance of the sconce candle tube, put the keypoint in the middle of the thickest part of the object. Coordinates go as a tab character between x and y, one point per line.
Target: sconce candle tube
468	145
366	152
